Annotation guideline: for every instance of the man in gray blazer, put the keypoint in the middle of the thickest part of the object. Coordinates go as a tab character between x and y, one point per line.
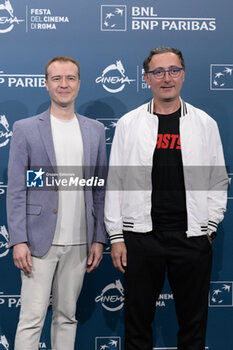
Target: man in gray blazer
56	234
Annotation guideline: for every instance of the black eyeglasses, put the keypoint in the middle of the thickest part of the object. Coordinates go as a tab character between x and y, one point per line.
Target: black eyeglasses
160	73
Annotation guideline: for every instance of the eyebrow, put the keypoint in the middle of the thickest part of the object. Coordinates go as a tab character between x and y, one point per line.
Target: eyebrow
68	76
172	66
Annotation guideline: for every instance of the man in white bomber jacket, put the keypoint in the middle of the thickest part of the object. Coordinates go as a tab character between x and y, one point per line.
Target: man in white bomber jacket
167	191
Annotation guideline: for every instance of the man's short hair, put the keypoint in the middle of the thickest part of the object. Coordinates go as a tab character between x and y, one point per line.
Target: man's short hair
159	50
61	59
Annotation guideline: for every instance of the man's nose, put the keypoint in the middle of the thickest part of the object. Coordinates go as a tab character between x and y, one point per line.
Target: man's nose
167	76
63	82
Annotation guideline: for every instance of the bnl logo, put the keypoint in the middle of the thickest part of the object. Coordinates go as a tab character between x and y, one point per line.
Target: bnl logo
107	343
35	178
221	77
113	18
221	294
109	126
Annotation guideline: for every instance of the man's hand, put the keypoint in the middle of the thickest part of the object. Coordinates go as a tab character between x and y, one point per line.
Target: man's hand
209	239
95	256
22	257
119	255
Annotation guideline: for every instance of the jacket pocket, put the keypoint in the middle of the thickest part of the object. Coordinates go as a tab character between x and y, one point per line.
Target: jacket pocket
33	209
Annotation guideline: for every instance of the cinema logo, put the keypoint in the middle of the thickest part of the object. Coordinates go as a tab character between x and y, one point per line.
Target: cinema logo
4	237
7	18
163	299
113	78
5	133
22	80
147	18
112	297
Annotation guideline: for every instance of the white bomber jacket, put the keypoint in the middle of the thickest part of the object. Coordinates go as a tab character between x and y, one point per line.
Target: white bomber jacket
128	195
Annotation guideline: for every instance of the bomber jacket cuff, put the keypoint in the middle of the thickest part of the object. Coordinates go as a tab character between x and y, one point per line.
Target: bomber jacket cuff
212	225
116	238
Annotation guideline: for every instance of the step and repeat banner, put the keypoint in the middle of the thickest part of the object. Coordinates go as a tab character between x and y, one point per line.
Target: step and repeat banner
110	39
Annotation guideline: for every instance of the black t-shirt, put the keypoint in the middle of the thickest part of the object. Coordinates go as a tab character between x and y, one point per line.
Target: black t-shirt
168	191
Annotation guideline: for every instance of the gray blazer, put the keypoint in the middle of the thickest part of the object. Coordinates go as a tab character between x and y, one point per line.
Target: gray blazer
32	214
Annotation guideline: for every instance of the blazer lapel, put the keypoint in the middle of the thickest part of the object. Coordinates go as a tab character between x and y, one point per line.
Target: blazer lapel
86	144
46	135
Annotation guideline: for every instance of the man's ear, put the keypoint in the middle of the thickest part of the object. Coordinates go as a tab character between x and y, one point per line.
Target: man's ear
183	75
147	78
46	85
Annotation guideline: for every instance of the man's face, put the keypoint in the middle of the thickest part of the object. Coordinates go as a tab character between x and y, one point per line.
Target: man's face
166	89
63	83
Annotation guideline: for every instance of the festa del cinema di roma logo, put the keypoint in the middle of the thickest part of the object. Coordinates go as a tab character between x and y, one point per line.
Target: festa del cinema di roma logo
113	78
36	19
7	17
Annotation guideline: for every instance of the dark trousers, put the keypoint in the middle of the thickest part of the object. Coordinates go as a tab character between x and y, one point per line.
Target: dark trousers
188	264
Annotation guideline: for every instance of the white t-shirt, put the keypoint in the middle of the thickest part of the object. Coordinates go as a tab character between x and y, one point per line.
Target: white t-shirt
71	225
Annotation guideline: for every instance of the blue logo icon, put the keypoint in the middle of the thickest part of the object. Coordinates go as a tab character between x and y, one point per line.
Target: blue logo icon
35	178
221	77
109	125
109	343
113	17
221	294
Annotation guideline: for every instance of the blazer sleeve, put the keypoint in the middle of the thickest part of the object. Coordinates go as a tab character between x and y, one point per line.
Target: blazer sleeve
99	191
16	190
